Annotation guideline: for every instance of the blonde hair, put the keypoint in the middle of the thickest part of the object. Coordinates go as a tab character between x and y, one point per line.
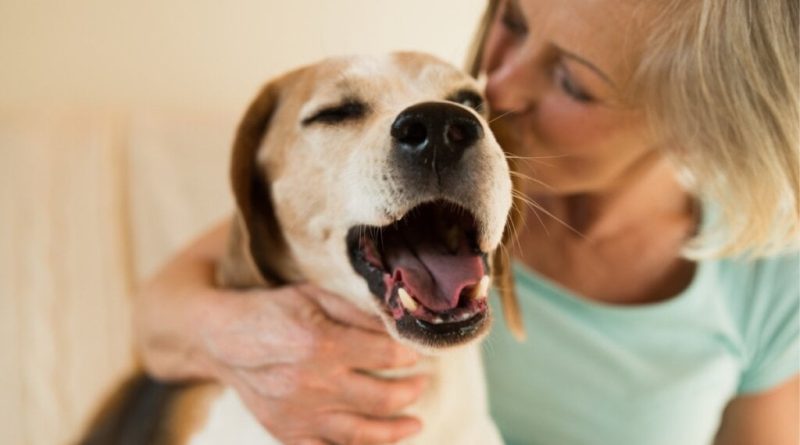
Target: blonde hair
720	82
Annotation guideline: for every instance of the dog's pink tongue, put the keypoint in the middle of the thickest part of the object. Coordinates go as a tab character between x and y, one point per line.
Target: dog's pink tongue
434	278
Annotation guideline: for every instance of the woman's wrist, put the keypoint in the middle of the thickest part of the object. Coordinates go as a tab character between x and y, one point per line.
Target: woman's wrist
172	350
175	310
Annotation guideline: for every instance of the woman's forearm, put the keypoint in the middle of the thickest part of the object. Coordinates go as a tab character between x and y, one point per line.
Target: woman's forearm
172	305
282	350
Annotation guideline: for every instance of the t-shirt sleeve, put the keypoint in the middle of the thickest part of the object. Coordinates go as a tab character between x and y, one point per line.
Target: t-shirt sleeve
772	334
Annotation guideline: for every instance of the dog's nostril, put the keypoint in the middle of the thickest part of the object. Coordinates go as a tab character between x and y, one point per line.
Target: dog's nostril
413	133
460	134
455	134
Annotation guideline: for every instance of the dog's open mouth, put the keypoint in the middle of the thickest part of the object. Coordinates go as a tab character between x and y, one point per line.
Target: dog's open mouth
427	272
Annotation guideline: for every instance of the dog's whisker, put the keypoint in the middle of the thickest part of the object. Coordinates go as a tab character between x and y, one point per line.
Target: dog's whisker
531	178
509	155
531	161
504	115
541	222
535	213
513	227
528	162
536	207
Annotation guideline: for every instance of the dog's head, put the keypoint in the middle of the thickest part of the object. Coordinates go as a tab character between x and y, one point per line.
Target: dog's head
377	178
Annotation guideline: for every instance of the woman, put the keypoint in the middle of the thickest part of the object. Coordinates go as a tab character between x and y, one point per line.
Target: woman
656	147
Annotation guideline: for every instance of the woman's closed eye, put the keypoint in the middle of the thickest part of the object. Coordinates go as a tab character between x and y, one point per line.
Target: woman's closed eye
567	83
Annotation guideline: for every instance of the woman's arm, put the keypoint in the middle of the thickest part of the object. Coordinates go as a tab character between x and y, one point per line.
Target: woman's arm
168	307
772	417
295	354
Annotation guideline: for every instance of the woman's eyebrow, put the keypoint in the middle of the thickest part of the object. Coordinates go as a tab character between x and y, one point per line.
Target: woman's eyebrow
587	64
514	8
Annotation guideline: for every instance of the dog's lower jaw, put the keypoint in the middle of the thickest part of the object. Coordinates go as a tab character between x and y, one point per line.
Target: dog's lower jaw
453	409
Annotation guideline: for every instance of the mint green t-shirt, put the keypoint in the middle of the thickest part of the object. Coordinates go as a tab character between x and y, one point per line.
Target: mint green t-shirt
593	373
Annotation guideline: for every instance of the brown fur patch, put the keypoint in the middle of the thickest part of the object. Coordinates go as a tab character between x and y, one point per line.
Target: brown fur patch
189	411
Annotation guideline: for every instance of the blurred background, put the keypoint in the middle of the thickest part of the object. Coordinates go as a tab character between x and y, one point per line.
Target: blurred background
116	118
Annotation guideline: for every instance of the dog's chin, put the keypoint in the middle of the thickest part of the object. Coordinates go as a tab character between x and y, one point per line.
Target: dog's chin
415	333
427	274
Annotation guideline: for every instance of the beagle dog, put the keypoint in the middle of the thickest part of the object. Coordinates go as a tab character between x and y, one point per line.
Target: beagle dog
378	179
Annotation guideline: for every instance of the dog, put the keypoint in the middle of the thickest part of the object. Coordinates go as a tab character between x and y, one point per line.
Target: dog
378	179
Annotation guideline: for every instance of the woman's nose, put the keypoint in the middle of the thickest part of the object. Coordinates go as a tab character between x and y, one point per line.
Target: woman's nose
514	84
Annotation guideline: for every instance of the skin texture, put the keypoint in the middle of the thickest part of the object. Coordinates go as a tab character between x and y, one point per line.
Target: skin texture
590	169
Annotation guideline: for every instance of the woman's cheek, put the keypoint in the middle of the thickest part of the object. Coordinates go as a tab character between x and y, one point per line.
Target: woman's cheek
566	126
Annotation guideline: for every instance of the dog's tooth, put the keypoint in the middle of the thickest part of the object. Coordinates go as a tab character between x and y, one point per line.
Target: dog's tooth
452	237
482	289
406	299
437	320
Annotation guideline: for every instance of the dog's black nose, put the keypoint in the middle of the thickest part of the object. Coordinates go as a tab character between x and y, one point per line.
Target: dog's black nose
435	134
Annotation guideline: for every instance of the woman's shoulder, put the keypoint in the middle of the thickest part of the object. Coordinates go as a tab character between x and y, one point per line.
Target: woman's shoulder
771	277
763	297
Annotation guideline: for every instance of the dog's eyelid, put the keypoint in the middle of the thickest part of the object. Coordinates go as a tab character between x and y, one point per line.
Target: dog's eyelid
342	111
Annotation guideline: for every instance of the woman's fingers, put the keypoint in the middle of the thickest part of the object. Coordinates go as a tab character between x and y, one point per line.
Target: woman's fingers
379	397
360	349
326	421
298	357
352	392
350	429
341	310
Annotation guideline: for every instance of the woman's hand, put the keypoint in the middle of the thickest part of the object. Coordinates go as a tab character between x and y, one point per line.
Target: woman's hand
297	356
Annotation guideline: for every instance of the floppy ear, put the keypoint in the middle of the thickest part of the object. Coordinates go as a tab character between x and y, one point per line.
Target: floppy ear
256	244
503	278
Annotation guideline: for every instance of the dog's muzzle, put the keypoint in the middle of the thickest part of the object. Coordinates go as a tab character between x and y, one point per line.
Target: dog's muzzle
426	268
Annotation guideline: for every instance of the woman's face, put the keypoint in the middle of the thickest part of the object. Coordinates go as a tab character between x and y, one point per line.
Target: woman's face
555	71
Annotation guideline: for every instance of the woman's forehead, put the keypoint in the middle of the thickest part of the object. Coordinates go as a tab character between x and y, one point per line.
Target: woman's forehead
609	33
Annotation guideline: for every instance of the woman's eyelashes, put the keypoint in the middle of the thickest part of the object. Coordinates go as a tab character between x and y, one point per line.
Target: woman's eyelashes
565	81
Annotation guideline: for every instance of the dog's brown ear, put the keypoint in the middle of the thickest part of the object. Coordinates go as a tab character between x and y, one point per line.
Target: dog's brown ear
256	233
504	282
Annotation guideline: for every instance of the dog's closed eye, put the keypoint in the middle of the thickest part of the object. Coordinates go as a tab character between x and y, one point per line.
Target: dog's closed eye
344	111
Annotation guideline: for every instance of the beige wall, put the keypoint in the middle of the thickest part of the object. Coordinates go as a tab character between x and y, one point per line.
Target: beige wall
207	53
115	121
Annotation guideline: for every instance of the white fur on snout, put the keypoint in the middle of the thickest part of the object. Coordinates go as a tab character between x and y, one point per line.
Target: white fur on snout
493	180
